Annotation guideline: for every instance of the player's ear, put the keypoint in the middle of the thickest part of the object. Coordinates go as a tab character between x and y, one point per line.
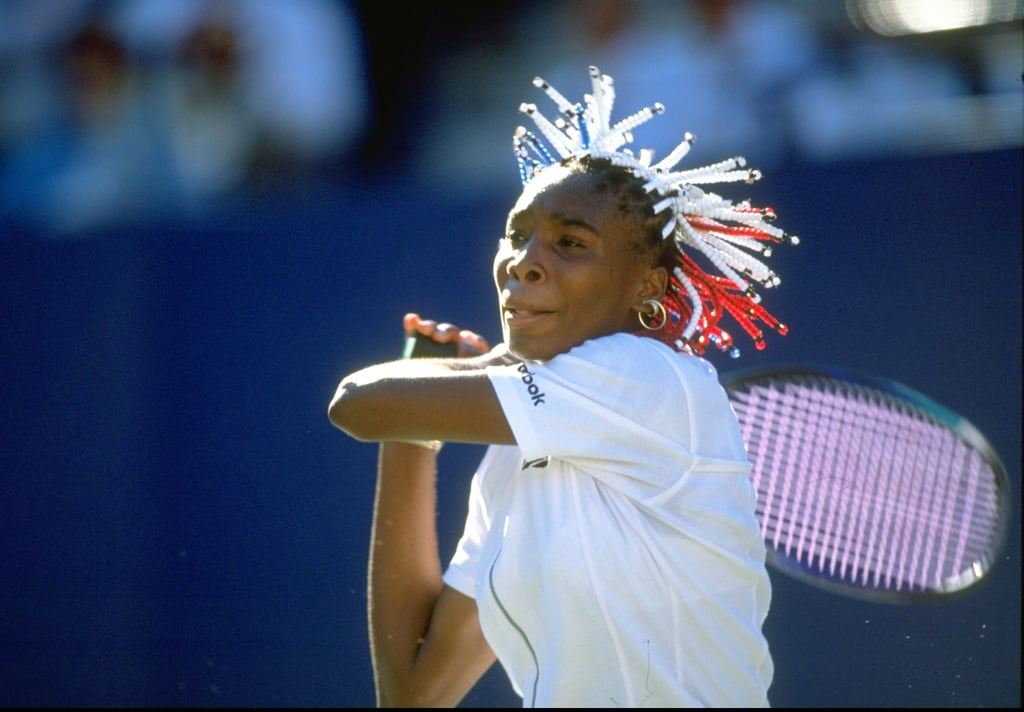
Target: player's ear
653	286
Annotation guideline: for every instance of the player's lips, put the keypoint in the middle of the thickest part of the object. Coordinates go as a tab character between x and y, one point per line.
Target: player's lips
522	315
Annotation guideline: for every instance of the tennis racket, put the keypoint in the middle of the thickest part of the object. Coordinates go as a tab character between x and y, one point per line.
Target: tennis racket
866	487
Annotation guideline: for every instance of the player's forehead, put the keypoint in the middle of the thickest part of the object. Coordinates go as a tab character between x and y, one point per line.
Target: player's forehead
567	191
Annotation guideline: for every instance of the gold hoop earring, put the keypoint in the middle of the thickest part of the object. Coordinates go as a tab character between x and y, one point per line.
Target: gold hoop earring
659	313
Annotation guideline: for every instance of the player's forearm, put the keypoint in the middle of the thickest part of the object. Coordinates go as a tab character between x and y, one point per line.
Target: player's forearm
404	568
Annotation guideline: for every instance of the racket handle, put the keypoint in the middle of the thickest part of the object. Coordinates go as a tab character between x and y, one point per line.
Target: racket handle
419	346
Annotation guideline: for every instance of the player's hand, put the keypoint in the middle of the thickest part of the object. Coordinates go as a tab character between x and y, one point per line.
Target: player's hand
467	343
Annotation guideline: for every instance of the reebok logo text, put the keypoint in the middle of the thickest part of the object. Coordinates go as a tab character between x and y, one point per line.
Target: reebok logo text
532	388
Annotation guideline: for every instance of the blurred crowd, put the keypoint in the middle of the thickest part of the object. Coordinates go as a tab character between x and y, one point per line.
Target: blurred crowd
765	79
114	110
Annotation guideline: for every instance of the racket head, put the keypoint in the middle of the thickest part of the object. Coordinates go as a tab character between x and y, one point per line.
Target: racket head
866	487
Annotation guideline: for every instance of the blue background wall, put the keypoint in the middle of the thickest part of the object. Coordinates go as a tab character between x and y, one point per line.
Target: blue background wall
181	526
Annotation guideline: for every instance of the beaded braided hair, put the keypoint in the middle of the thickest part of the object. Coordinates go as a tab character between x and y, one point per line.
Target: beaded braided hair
722	233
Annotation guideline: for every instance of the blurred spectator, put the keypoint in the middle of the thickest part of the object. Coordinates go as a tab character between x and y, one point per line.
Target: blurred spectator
302	76
28	85
213	135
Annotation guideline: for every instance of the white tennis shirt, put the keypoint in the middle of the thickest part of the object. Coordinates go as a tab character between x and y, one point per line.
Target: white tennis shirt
614	553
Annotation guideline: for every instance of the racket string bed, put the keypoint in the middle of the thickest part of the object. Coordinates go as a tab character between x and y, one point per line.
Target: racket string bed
864	488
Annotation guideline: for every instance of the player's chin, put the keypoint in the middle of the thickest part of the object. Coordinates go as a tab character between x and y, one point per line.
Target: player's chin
528	348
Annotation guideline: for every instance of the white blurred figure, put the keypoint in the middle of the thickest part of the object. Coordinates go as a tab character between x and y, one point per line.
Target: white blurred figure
303	74
877	97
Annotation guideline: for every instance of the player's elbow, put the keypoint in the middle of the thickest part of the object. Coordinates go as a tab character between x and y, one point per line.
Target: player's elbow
346	411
